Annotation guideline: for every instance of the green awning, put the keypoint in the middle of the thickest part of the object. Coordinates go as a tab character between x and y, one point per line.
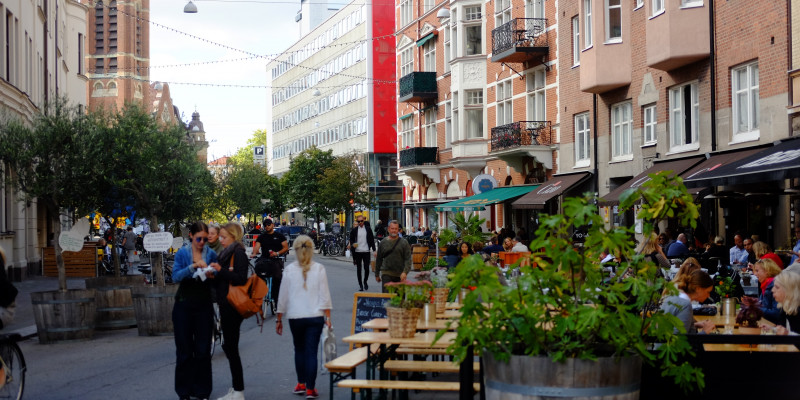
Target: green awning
425	38
479	201
409	115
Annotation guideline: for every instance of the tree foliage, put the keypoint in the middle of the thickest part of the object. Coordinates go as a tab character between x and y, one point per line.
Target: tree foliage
343	186
244	155
303	181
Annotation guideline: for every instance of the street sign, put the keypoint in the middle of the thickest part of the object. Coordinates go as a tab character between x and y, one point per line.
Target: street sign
158	241
258	155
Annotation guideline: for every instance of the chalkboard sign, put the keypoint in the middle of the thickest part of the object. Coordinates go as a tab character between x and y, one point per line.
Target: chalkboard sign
366	307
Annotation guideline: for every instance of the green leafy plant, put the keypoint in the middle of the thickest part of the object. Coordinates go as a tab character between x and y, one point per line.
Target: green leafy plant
470	229
446	237
561	307
724	287
433	262
409	294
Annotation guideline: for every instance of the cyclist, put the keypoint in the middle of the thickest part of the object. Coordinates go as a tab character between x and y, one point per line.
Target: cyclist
270	264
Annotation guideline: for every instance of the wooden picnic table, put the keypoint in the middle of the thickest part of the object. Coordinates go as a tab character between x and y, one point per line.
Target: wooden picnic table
382	324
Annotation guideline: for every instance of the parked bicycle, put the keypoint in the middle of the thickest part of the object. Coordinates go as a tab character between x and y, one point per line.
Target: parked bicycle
333	245
12	367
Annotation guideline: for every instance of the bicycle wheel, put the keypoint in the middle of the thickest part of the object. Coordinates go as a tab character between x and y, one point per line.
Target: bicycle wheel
335	249
12	371
264	307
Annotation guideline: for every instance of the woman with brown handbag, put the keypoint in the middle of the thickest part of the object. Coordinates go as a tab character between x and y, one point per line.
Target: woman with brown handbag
231	270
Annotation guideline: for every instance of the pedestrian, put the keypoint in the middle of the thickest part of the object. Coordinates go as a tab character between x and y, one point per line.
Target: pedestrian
305	300
394	257
213	237
361	242
272	245
231	270
8	294
193	316
129	245
336	227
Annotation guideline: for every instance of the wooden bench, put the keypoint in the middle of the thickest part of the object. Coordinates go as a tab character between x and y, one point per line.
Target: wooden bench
421	350
424	366
344	366
356	385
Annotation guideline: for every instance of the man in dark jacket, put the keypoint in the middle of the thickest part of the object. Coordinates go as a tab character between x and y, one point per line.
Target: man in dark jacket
361	242
393	261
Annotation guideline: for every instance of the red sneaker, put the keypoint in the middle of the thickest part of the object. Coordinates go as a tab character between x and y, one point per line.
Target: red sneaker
300	388
312	394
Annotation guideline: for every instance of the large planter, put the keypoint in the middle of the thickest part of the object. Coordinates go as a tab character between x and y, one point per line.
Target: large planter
418	255
534	378
402	321
440	299
114	301
66	316
153	307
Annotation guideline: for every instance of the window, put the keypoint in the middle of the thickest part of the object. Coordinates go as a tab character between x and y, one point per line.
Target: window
456	135
684	116
454	33
504	108
446	31
691	3
587	23
474	114
582	137
658	6
537	107
427	5
405	12
745	101
429	54
621	127
406	61
534	9
576	40
448	124
639	4
430	128
650	121
613	20
473	13
473	43
503	12
407	131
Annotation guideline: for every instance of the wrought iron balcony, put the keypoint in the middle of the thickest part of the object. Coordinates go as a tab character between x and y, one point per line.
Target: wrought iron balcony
522	133
419	156
418	86
519	40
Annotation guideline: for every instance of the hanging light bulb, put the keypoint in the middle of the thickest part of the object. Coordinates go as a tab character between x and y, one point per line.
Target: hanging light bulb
190	8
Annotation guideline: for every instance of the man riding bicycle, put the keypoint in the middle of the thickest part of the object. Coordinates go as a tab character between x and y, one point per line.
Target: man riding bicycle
270	264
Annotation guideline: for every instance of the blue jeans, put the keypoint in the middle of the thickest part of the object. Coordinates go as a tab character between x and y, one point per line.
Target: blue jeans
306	333
193	322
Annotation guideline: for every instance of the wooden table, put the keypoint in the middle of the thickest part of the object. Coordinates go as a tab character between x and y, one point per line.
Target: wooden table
382	324
453	305
722	320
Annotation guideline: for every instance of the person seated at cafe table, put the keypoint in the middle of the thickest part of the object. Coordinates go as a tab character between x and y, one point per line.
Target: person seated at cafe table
787	293
690	265
508	245
766	270
494	247
679	249
519	247
716	250
696	286
737	255
653	253
763	251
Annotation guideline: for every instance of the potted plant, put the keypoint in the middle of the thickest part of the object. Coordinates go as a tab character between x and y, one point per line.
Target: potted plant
562	320
403	309
724	287
749	315
446	237
470	229
438	277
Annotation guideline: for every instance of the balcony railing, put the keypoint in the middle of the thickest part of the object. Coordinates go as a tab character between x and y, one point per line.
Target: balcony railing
419	156
418	86
519	39
522	133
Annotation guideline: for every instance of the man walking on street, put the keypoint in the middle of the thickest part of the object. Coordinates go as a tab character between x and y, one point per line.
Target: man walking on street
129	245
394	257
361	242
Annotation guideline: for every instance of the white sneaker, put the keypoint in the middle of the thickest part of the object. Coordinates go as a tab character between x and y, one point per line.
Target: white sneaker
233	395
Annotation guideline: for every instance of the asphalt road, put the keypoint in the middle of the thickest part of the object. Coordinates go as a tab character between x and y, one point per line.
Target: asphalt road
119	364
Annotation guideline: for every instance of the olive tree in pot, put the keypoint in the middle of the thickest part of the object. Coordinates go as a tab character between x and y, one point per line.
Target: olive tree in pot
563	321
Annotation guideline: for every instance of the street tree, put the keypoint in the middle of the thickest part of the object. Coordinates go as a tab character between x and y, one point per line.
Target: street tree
343	186
244	155
159	169
50	163
247	185
303	181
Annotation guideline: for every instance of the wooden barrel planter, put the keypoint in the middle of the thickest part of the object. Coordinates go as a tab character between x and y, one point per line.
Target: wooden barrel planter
535	378
66	316
418	255
114	301
153	308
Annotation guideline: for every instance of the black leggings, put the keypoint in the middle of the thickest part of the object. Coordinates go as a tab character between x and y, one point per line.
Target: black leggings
231	322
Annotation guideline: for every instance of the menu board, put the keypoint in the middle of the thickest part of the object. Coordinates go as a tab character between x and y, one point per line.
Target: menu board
367	306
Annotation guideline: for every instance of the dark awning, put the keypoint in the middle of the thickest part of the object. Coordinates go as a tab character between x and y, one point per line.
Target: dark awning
550	189
775	163
479	201
676	166
427	37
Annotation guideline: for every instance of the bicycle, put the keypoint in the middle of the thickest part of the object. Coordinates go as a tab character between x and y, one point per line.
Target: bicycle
266	274
269	303
216	330
12	367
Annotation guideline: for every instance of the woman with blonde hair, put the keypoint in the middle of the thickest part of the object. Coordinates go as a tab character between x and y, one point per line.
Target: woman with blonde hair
762	251
692	287
653	252
766	270
231	270
306	301
787	294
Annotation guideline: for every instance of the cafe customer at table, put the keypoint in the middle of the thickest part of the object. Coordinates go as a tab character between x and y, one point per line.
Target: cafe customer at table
679	249
796	248
738	254
394	257
763	251
696	286
766	270
787	293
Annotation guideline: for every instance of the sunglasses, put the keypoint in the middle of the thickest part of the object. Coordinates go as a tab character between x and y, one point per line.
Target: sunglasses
360	222
201	239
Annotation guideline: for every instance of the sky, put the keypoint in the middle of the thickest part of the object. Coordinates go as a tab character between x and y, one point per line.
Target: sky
229	115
